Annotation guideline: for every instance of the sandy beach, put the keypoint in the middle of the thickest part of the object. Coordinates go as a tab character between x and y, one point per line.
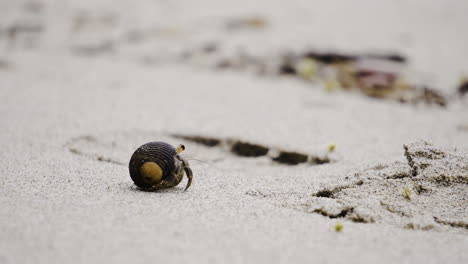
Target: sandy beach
297	156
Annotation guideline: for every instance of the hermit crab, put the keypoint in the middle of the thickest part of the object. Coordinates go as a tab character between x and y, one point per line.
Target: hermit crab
158	165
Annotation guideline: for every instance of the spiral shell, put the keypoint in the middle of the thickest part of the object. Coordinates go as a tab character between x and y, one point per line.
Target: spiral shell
151	163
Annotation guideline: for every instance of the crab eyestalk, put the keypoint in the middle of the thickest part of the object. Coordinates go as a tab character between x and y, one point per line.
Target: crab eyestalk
180	148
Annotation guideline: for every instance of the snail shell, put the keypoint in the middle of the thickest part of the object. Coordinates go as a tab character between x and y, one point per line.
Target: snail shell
151	163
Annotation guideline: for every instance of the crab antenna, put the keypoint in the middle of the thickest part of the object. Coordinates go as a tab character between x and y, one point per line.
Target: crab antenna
180	148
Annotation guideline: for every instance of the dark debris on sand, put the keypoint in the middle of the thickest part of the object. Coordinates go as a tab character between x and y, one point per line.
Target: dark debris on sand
379	76
463	88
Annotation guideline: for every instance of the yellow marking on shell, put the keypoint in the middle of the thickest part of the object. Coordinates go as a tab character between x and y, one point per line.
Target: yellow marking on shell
151	172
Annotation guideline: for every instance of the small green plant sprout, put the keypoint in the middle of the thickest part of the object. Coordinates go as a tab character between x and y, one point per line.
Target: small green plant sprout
331	147
338	227
407	193
331	85
307	69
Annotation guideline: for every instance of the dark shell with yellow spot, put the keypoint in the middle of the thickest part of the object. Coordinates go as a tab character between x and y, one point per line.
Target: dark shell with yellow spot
151	163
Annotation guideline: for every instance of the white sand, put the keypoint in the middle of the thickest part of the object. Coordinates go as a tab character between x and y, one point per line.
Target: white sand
60	111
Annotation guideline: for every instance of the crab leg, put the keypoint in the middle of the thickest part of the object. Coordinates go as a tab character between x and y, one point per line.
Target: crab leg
189	174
